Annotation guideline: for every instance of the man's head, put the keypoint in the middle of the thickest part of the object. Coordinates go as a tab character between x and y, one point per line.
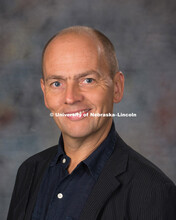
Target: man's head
80	75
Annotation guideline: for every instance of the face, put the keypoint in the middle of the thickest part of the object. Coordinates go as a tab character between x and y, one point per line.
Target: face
76	83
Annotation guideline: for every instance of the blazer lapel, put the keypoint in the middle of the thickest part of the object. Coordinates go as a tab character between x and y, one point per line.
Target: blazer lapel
107	183
40	169
39	172
27	184
21	194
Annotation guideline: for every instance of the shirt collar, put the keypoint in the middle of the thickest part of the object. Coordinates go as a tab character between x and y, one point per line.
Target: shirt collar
60	152
96	161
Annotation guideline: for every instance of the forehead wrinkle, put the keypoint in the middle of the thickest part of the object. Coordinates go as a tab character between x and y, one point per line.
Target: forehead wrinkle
77	76
55	77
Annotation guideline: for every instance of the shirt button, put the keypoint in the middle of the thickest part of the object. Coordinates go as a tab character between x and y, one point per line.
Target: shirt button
64	160
60	196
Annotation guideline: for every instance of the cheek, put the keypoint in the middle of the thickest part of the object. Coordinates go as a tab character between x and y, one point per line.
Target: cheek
53	101
101	99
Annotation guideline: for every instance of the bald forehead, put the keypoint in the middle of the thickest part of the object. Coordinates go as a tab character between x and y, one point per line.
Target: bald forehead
68	47
84	35
73	39
68	44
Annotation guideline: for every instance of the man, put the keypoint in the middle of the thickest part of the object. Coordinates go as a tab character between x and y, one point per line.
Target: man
91	174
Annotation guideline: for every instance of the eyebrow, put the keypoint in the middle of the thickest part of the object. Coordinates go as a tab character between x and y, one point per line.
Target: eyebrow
79	75
90	72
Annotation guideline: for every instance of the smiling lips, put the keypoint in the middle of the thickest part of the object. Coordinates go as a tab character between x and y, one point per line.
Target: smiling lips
77	115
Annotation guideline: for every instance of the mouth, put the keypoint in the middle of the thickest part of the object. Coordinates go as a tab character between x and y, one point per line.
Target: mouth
77	115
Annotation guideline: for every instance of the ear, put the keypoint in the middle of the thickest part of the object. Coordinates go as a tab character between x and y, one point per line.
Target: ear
42	84
118	86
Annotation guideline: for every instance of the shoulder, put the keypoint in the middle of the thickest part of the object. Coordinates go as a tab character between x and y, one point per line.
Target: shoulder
154	194
43	156
149	192
141	168
145	171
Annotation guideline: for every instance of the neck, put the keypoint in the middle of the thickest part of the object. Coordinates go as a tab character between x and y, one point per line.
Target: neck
78	149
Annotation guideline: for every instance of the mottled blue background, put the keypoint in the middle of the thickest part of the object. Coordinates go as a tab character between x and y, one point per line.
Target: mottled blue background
144	35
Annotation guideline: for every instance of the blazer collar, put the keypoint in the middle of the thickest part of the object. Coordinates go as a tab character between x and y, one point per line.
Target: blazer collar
107	182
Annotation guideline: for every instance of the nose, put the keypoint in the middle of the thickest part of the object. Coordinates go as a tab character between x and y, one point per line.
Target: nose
72	93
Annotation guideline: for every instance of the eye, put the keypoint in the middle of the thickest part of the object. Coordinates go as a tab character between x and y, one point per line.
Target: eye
56	84
88	80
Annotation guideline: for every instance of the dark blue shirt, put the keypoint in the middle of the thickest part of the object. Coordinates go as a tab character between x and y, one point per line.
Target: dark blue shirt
63	195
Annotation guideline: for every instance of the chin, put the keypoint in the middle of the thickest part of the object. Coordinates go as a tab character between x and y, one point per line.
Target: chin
76	129
76	133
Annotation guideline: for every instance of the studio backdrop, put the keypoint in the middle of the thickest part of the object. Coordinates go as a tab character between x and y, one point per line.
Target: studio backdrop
143	33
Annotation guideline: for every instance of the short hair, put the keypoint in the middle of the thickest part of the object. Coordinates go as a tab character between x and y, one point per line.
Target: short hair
107	46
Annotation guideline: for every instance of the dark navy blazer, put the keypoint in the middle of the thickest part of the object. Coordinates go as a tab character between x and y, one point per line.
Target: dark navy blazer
129	187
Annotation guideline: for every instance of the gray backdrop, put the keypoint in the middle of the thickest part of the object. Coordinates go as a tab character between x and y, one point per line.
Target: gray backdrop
143	32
